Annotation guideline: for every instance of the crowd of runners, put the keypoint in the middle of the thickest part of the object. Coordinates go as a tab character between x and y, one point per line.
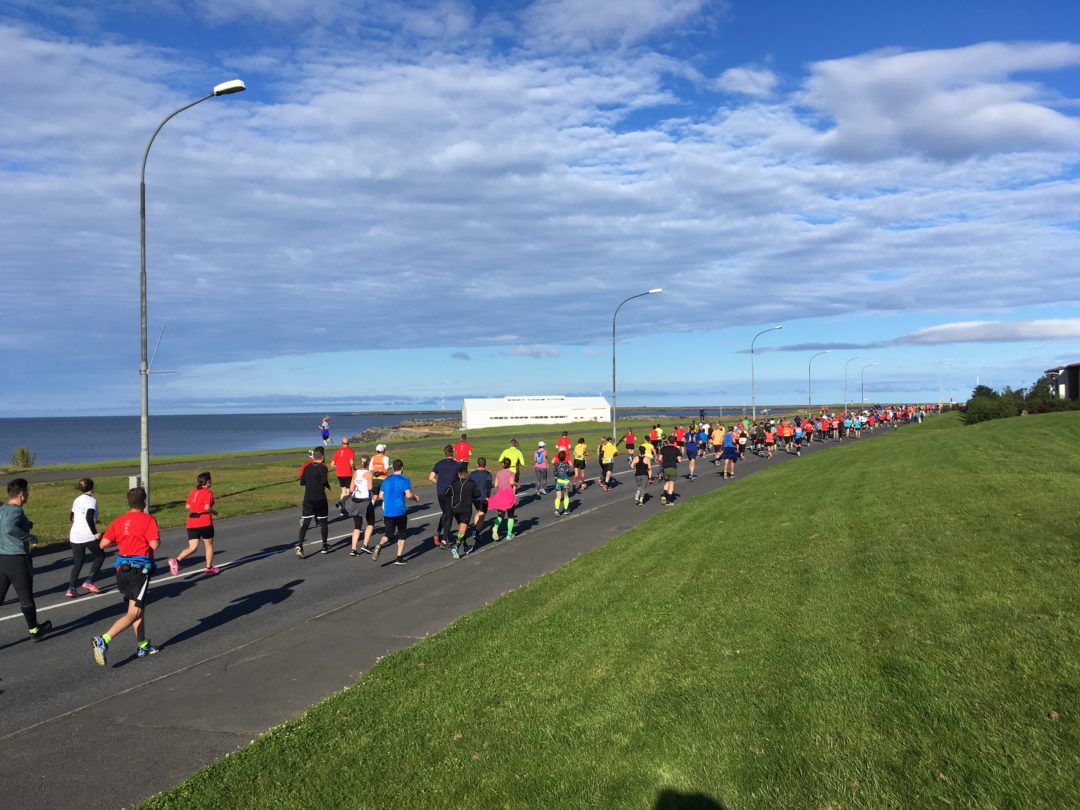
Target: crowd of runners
474	497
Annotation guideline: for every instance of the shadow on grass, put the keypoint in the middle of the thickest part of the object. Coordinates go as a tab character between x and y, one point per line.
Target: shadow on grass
172	504
668	799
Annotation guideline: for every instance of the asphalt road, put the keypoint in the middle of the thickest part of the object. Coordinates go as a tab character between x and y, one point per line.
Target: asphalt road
253	646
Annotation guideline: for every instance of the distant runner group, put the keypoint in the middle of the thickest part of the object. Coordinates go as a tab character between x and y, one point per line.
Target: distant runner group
467	494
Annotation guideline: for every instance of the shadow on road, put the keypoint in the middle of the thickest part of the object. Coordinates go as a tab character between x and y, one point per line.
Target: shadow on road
241	606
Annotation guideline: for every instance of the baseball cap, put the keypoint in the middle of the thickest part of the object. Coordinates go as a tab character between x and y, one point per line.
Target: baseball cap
379	448
540	444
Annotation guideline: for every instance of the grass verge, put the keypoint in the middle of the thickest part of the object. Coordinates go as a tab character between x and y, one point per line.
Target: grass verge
892	624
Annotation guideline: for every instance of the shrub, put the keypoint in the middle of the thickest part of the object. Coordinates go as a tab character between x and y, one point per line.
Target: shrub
23	459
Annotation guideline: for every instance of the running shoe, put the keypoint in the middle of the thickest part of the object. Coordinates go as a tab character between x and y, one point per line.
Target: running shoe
354	553
495	533
71	593
469	550
365	549
174	566
42	629
435	540
90	586
325	549
375	553
399	561
299	552
557	512
455	553
149	649
209	572
101	650
509	537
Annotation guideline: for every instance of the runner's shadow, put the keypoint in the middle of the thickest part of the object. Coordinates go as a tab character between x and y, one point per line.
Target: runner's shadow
110	609
668	799
410	554
237	608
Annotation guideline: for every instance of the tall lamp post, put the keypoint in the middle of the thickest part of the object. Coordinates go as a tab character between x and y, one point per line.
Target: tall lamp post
224	89
862	384
847	405
810	383
753	382
654	291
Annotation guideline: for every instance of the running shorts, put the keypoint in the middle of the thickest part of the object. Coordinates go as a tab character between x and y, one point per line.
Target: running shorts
345	481
133	585
394	527
605	468
462	517
579	465
201	533
481	505
670	473
691	454
562	484
315	509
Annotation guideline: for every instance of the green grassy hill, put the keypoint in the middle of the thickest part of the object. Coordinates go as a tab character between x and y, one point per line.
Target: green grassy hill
890	624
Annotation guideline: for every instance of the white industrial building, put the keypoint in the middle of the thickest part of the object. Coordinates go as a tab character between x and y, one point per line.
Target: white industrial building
549	410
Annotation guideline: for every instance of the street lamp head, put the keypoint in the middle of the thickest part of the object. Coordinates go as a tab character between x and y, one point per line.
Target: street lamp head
656	290
227	88
781	326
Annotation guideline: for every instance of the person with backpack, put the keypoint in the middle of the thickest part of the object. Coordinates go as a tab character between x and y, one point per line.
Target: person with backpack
540	468
563	474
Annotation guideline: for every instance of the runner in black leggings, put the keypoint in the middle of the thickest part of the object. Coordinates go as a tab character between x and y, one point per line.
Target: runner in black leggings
15	565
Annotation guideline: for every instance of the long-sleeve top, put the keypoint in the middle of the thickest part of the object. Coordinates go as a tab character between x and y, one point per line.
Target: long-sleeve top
15	529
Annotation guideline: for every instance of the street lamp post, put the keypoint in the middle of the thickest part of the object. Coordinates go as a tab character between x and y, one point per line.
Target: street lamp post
224	89
654	291
847	406
810	383
753	382
862	383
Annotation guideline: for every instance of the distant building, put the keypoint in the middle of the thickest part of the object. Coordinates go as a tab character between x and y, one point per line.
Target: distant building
1066	381
550	410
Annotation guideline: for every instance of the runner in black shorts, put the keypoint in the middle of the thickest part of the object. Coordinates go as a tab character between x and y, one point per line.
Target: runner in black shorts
314	481
482	480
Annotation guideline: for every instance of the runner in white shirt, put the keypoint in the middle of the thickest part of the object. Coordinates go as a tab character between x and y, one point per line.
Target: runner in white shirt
84	536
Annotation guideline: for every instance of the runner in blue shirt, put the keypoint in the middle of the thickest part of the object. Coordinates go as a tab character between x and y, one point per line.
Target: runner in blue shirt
395	493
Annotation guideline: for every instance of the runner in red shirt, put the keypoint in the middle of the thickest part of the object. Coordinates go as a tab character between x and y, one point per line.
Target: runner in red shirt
136	536
563	443
344	461
200	525
463	450
630	442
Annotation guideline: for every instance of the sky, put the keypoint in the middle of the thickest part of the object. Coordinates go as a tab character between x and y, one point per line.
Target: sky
415	202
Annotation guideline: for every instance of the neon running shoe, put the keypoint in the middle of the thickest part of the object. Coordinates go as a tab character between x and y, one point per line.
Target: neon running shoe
149	649
299	552
42	629
375	553
71	593
90	586
174	566
213	569
101	650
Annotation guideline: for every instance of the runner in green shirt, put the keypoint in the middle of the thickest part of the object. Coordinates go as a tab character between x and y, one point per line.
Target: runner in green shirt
517	460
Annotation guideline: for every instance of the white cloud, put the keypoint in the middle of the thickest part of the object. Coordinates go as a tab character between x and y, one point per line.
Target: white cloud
948	104
535	352
584	24
477	199
993	332
747	80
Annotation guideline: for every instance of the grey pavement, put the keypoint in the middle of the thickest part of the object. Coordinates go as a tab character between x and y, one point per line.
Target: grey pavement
254	646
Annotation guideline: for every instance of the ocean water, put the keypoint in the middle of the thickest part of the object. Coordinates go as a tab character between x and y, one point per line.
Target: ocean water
63	440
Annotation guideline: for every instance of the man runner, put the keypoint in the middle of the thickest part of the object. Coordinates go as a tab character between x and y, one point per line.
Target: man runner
396	491
442	475
670	456
136	536
313	479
